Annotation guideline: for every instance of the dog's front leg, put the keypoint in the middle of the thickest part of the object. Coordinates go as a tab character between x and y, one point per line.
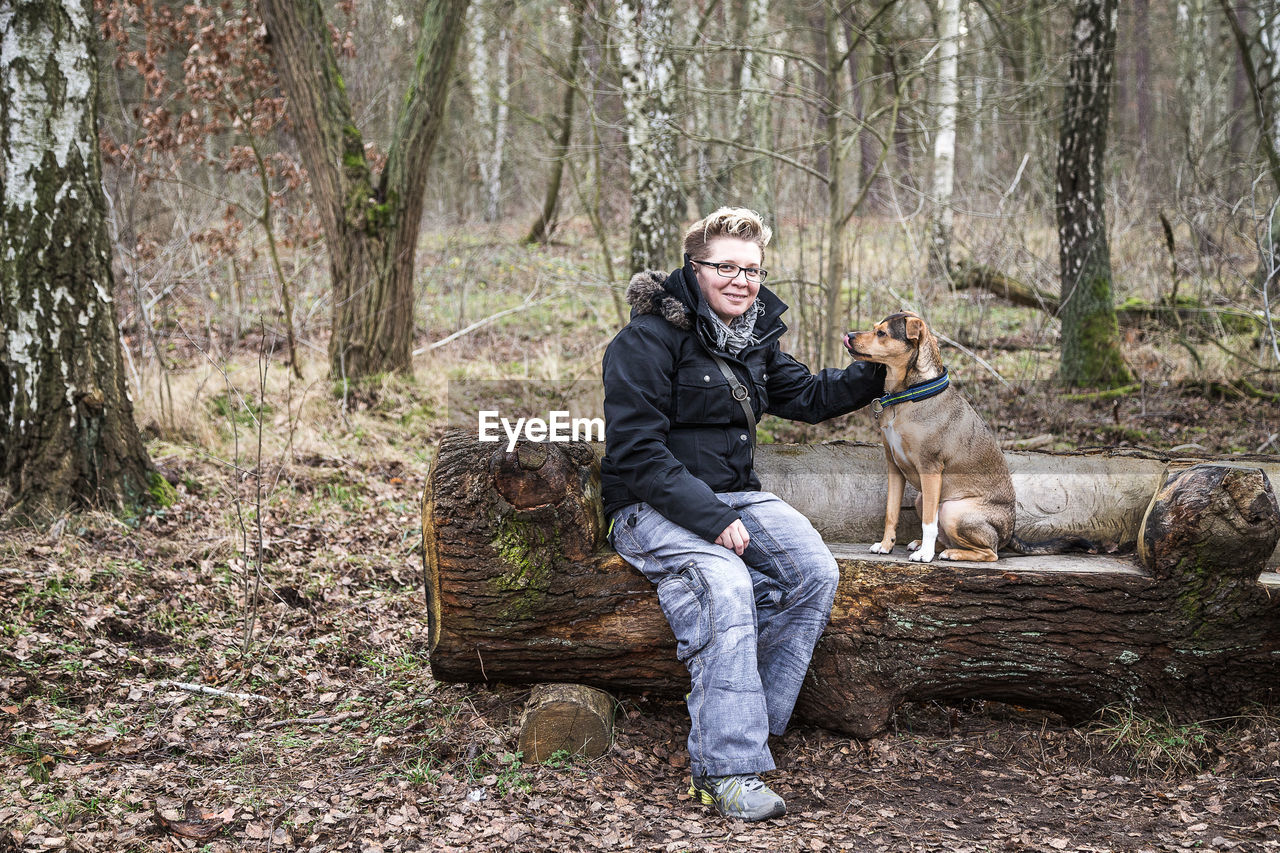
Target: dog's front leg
930	494
892	507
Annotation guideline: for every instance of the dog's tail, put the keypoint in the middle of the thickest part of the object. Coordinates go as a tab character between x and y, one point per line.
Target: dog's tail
1056	545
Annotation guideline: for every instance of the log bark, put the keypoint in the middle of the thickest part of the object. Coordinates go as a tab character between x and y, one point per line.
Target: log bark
524	588
570	719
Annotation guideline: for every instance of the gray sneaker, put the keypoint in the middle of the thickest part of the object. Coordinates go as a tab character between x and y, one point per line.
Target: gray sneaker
743	796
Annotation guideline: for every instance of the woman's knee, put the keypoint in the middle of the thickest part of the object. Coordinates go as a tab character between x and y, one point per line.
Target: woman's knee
729	583
825	572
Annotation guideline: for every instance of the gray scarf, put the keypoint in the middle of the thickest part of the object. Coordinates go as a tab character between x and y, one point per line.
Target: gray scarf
733	337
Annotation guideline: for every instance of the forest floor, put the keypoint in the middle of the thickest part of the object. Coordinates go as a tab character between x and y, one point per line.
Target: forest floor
343	741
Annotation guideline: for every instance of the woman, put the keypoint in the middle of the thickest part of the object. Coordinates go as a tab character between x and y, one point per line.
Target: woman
744	580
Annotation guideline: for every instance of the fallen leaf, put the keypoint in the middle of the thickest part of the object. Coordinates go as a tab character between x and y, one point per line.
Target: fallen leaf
200	830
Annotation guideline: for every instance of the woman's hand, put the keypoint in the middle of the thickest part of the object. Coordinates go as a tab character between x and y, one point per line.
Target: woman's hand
735	537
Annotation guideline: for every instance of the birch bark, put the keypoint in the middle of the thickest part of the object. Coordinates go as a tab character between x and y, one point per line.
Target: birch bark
944	145
647	66
490	74
67	434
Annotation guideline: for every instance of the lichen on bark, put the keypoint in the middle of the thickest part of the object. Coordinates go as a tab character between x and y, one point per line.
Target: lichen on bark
67	435
1090	334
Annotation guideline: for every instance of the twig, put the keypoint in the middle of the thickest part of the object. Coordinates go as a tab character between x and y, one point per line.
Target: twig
213	691
315	721
973	355
1105	394
527	303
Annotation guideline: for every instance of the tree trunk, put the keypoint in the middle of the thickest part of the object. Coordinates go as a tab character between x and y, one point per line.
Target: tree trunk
647	65
1241	143
1260	61
541	229
751	109
67	435
1142	72
370	222
859	96
491	95
901	129
522	586
833	277
944	142
1090	337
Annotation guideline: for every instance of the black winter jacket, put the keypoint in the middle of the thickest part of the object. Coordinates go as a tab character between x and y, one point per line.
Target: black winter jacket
674	435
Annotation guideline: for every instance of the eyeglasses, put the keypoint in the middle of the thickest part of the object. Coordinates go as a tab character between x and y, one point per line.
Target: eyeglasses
728	270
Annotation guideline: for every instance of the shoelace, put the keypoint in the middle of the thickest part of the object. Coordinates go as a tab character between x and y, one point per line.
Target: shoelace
747	783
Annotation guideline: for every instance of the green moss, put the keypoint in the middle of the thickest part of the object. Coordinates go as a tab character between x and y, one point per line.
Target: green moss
162	494
1092	356
379	217
530	554
352	147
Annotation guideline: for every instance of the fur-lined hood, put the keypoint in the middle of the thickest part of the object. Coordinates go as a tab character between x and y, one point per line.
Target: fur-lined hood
647	294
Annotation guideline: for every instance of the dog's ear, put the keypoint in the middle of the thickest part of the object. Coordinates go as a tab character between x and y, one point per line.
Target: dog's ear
915	329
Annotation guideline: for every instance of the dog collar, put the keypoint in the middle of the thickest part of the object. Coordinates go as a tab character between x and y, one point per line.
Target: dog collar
923	391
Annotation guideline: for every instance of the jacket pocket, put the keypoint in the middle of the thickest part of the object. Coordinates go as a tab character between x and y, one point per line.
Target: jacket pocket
687	605
702	396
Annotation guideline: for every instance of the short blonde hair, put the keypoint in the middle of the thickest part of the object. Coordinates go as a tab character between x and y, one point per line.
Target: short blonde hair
737	222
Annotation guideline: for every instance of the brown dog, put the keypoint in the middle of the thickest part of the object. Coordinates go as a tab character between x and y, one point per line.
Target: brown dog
935	440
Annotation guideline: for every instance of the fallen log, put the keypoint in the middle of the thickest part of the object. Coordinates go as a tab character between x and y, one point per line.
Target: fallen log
522	586
1185	313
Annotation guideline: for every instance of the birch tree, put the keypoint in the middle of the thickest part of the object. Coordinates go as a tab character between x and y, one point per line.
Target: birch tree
944	142
647	64
490	73
752	108
67	434
1090	336
370	219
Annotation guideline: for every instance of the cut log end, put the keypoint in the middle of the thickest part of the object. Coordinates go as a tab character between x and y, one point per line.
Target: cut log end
566	719
1210	518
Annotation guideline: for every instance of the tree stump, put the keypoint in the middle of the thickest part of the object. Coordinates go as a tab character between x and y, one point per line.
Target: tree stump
522	586
570	719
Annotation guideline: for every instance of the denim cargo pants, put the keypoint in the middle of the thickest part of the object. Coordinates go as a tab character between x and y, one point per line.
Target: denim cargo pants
744	626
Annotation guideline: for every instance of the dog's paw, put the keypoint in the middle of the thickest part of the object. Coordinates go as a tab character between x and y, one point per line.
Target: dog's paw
881	548
913	545
921	555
